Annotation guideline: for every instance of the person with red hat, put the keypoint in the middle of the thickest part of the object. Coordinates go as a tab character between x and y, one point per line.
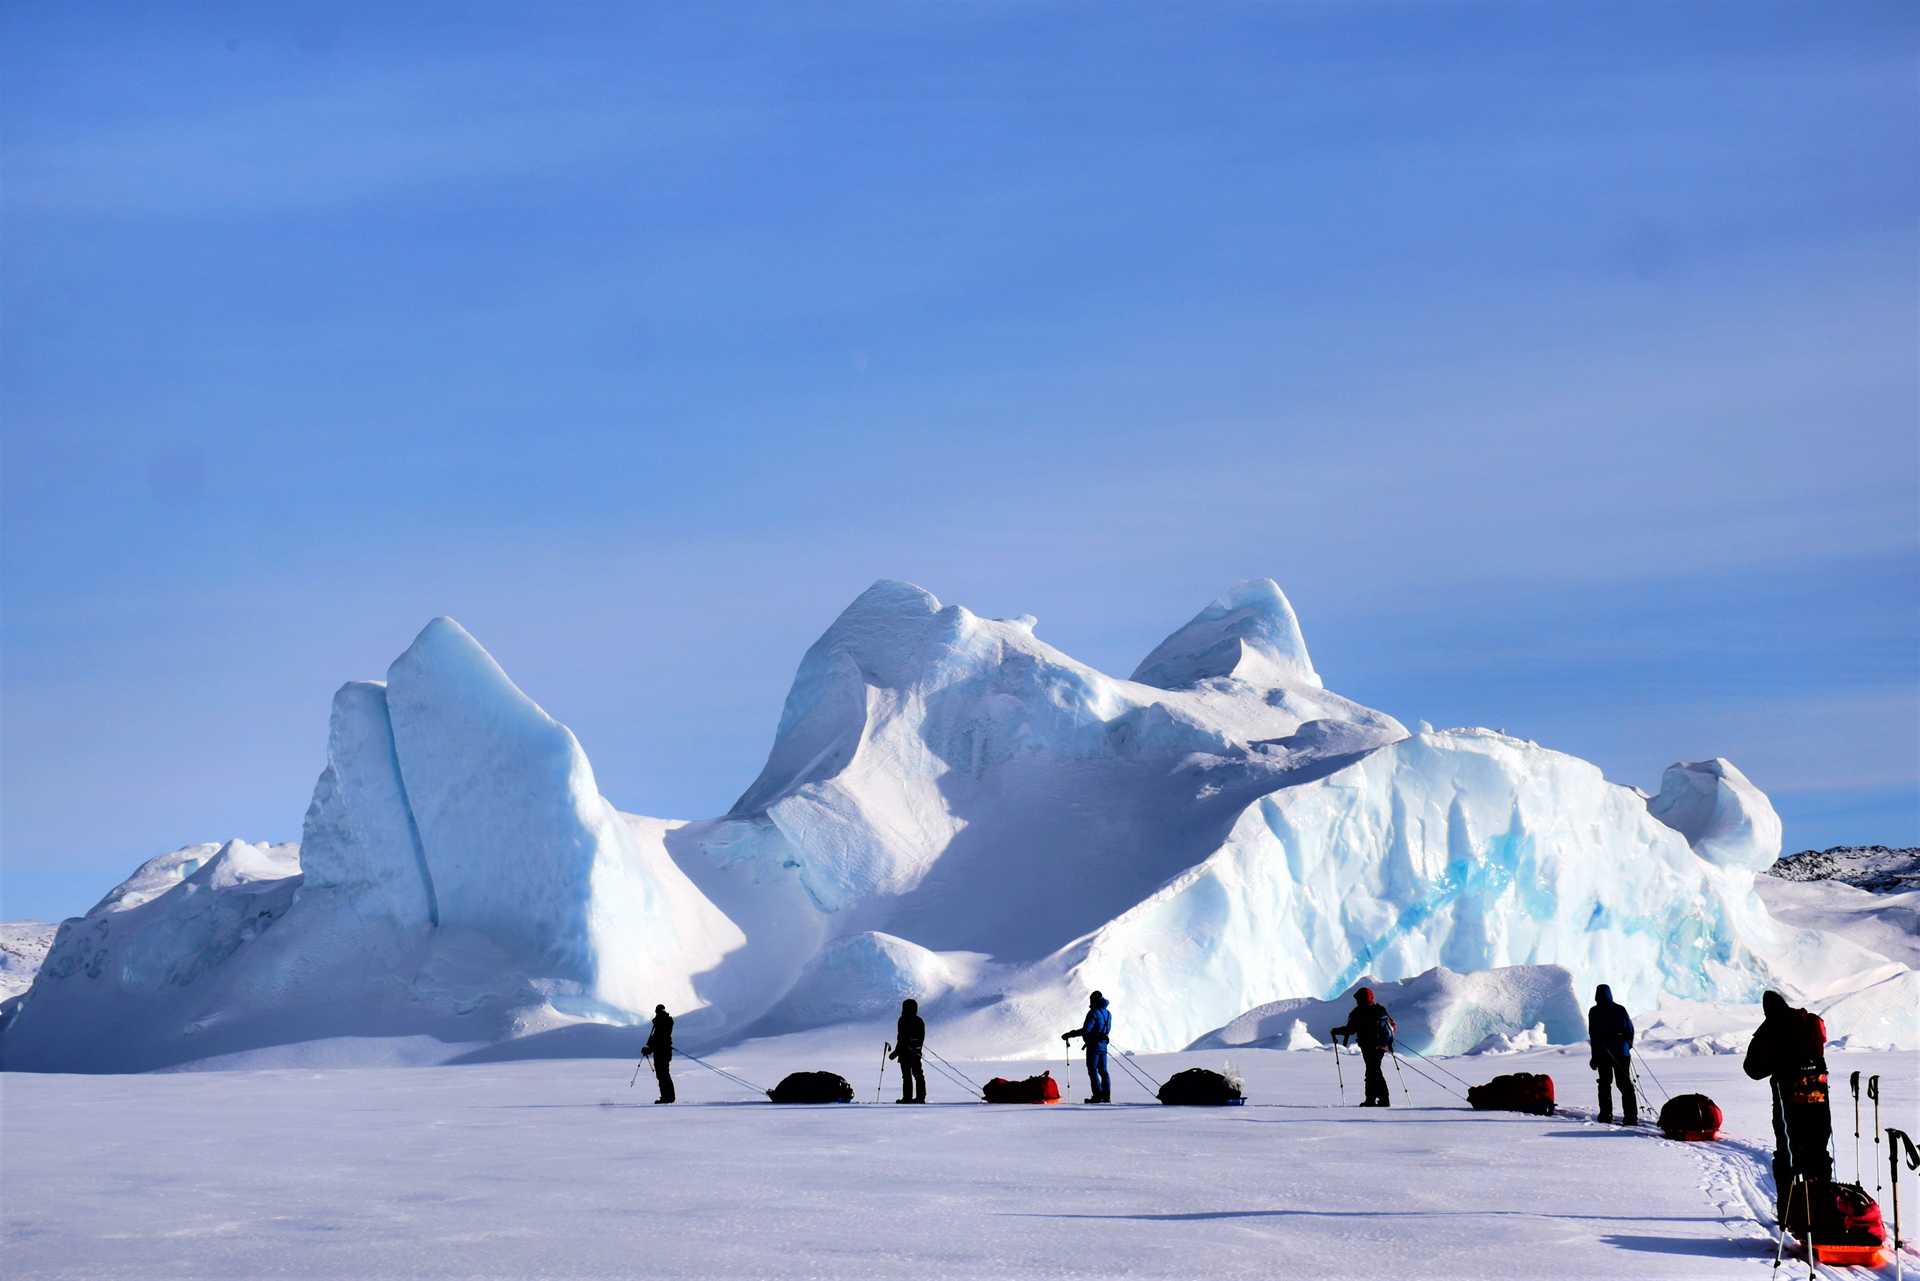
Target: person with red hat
1373	1028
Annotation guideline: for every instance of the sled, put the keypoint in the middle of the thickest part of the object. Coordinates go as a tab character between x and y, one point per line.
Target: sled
1847	1229
1690	1118
1035	1089
1198	1087
1852	1256
1530	1092
812	1087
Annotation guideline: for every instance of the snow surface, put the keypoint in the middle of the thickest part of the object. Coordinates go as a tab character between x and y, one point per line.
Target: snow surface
956	810
560	1169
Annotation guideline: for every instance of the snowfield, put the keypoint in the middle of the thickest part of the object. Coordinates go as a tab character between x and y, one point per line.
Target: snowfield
558	1169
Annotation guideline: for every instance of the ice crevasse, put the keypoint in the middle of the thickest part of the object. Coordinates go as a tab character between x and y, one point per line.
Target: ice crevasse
953	808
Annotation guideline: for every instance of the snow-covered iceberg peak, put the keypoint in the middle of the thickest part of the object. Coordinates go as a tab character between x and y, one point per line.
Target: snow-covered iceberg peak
1726	819
359	836
519	844
1250	634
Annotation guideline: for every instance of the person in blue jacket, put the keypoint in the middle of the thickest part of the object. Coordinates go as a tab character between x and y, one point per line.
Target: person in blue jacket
1373	1027
1094	1032
1610	1033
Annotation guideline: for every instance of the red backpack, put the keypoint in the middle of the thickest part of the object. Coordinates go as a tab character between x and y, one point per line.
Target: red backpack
1694	1118
1035	1089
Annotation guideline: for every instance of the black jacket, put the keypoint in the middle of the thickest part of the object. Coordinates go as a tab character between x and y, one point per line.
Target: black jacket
910	1035
1610	1032
660	1043
1370	1025
1789	1045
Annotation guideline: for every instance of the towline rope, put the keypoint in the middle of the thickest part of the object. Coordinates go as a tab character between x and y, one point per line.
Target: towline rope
1637	1063
1127	1055
953	1075
938	1058
740	1081
1438	1067
1138	1075
1441	1085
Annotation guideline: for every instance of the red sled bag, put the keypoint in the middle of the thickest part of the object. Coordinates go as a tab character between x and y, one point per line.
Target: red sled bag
1035	1089
1516	1092
1692	1118
1847	1230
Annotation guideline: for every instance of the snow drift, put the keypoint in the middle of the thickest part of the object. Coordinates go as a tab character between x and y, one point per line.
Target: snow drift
951	809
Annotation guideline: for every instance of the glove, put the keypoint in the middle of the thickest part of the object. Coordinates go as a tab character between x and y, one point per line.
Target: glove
893	1054
1593	1065
1066	1036
646	1051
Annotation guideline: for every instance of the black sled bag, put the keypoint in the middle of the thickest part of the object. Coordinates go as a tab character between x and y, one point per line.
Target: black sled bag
812	1087
1198	1087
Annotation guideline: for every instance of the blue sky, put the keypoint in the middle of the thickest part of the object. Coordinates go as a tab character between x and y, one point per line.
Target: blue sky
1559	360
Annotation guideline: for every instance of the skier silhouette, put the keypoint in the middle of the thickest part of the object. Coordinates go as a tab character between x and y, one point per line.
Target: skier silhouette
659	1048
910	1039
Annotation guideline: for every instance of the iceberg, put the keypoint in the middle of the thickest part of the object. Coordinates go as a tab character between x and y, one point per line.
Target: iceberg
952	809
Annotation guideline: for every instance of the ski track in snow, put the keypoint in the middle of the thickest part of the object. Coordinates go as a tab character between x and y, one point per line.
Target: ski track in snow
559	1169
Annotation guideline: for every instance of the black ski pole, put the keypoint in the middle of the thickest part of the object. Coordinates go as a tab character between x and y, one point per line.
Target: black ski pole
1797	1185
1783	1201
886	1048
1853	1083
1873	1092
1339	1073
1897	1140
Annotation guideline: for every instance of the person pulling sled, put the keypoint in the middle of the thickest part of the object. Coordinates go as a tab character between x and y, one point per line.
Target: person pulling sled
1094	1033
909	1047
659	1048
1790	1050
1373	1028
1610	1034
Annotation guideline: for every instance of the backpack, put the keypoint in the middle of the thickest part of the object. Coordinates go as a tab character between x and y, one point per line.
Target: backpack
1516	1092
812	1087
1694	1118
1197	1087
1035	1089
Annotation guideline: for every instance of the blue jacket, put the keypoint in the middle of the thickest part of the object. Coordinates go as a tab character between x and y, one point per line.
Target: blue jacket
1609	1028
1098	1025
